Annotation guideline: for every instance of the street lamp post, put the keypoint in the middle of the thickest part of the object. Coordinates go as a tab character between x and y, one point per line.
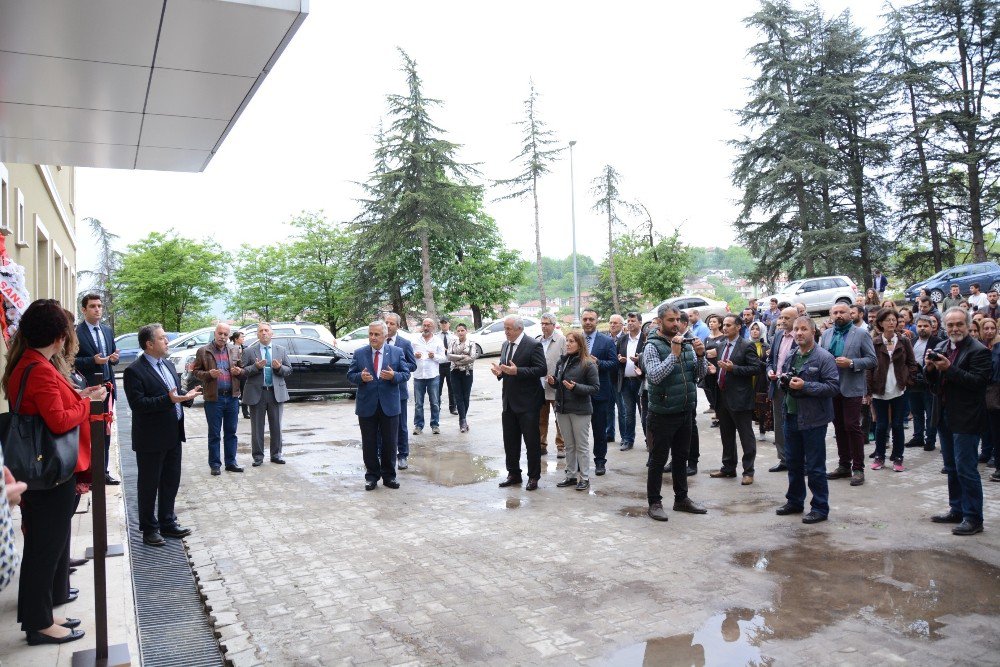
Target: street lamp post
572	204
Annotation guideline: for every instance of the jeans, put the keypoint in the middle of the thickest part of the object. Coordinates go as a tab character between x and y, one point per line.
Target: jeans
923	427
630	399
961	463
615	402
461	384
420	388
222	417
805	456
898	407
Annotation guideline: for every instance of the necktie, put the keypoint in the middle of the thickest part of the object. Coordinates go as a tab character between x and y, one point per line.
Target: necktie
268	372
510	353
375	365
590	343
722	371
446	341
99	339
169	381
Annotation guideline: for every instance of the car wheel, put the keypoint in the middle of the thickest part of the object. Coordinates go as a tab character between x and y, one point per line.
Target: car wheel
937	295
995	287
479	350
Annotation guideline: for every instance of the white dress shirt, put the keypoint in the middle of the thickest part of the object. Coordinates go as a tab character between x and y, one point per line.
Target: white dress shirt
512	348
428	368
630	348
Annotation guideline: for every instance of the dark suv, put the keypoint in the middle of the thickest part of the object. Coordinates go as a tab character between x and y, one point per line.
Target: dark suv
987	274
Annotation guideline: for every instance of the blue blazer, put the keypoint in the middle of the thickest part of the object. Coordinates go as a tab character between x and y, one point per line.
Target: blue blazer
410	361
603	349
378	392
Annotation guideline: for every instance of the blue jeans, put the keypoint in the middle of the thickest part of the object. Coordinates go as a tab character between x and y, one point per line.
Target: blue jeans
461	382
222	417
630	399
882	425
616	402
430	387
920	405
961	462
805	456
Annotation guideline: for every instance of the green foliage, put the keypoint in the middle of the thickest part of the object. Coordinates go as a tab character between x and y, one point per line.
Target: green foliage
728	294
264	283
735	258
608	200
168	279
324	285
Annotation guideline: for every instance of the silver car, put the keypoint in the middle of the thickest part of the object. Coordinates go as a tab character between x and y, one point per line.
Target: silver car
818	294
689	302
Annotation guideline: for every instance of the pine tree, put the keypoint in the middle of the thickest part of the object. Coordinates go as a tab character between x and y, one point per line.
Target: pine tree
608	201
109	262
535	157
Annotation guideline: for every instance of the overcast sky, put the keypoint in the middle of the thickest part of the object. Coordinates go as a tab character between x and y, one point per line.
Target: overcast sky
648	87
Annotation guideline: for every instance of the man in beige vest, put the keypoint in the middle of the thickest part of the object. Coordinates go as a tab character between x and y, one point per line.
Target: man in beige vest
554	346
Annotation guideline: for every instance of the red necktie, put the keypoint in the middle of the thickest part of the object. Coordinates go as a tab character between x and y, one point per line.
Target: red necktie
722	374
376	363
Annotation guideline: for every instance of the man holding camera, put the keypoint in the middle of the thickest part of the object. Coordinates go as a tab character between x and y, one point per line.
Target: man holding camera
958	371
854	353
810	380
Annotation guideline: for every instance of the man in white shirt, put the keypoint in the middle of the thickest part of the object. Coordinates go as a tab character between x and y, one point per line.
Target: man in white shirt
430	354
630	375
977	300
554	346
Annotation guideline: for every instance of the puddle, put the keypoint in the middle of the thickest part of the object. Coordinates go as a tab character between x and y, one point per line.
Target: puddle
748	507
633	511
617	492
731	638
510	504
449	468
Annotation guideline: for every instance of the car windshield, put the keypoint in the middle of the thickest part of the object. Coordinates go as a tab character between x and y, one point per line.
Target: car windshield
791	287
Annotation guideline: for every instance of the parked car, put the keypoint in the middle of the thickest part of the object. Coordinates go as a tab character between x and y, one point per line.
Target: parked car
490	338
689	302
987	274
128	349
309	329
818	294
317	367
359	338
186	344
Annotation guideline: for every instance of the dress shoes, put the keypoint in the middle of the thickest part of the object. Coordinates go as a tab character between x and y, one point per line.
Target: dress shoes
436	430
995	477
532	484
74	593
390	484
625	447
216	472
77	562
510	481
718	474
453	411
370	486
813	517
111	481
692	471
929	447
71	623
234	468
950	517
257	464
569	481
153	538
583	485
747	480
610	438
858	478
599	470
781	467
175	531
914	442
787	509
689	506
401	463
657	513
277	459
72	570
967	528
840	472
38	638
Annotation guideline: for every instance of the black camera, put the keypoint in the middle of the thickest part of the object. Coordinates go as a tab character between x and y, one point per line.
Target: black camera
934	356
785	379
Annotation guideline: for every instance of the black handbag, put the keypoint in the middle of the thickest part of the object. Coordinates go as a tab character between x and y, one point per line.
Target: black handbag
35	455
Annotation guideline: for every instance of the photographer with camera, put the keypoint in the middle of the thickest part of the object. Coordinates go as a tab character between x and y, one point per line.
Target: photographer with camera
810	380
958	371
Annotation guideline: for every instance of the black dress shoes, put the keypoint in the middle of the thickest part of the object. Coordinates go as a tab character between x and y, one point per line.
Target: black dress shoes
625	447
599	470
216	472
77	562
74	593
967	528
510	481
71	623
277	459
950	517
37	638
390	484
787	509
153	539
689	506
781	467
110	481
569	481
453	411
813	517
256	464
692	471
370	486
234	468
532	484
175	531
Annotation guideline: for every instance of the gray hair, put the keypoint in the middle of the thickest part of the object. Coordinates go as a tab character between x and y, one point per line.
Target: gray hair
666	308
392	315
381	324
924	318
517	320
956	309
548	317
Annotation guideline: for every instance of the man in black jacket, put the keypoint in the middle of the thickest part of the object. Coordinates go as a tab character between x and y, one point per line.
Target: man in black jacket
958	371
738	364
521	369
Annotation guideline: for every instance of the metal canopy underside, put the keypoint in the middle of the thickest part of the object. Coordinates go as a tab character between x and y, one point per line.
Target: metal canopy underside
133	84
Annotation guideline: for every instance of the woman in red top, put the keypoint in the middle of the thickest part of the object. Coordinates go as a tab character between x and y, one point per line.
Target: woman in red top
46	515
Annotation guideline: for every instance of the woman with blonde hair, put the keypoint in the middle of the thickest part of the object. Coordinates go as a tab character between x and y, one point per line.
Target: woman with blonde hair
575	380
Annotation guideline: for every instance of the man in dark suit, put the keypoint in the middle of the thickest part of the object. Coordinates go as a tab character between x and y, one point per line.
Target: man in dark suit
738	364
602	348
521	369
265	367
151	387
447	337
378	369
410	361
96	357
616	330
629	347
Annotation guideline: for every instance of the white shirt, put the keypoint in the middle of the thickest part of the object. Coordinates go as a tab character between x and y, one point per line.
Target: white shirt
979	300
630	348
512	348
428	368
892	388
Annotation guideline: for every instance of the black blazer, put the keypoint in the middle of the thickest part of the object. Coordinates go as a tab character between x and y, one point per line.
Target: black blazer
621	350
84	361
523	392
739	393
962	387
155	426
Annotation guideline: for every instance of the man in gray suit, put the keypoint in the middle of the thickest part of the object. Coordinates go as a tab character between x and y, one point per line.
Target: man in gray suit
854	353
554	346
265	368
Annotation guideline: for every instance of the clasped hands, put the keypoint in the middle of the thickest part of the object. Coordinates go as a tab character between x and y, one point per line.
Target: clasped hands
275	364
503	369
386	374
566	383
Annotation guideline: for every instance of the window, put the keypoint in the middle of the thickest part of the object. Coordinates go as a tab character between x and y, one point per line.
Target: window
495	327
810	286
19	218
312	347
680	304
4	201
128	342
309	331
839	282
697	303
282	332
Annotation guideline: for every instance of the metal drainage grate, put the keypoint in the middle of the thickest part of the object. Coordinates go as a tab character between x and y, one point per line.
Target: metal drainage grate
173	626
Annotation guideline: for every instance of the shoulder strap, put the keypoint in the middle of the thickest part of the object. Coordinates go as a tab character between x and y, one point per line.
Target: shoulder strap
20	392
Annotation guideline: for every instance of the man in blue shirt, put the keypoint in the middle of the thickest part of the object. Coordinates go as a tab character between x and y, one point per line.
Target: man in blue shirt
698	328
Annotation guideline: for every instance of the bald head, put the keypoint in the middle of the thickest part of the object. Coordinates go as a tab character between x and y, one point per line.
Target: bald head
787	318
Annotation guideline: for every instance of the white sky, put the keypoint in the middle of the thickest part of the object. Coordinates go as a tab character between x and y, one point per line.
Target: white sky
648	87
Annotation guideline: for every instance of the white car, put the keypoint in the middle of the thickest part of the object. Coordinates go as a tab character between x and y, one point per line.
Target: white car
307	329
359	338
490	338
689	302
187	344
818	294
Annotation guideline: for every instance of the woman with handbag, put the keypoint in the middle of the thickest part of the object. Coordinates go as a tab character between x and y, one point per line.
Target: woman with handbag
35	388
575	380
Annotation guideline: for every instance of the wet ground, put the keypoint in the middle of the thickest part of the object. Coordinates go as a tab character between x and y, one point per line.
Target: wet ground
451	569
